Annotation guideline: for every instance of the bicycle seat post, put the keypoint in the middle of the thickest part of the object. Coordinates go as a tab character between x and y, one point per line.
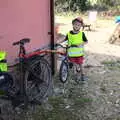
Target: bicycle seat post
22	84
21	53
22	50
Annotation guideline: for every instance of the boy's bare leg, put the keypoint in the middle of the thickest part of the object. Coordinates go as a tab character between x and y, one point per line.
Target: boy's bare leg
81	72
75	71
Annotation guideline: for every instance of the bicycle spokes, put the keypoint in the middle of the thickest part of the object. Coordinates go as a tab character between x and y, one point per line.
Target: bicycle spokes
38	80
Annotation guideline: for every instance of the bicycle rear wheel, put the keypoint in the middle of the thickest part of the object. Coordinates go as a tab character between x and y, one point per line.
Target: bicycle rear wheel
38	80
63	74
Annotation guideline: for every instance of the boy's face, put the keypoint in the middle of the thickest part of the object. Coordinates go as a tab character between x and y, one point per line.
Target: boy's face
77	25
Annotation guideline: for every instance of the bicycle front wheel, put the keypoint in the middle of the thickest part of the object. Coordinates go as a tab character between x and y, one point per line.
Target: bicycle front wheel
38	80
64	71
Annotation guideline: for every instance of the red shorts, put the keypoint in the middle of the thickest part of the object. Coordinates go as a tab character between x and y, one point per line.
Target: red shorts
77	60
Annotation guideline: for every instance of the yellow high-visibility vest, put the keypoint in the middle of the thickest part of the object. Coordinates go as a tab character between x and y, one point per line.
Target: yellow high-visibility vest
3	65
75	39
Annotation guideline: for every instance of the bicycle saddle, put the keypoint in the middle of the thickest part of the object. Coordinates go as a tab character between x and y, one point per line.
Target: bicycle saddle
22	41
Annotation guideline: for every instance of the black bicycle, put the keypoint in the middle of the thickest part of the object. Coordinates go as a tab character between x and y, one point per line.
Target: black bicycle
68	68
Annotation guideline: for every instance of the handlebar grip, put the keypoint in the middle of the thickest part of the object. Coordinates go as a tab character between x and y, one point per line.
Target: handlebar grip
59	45
66	47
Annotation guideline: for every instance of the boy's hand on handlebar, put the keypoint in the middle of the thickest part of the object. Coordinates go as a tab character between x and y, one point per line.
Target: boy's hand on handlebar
82	44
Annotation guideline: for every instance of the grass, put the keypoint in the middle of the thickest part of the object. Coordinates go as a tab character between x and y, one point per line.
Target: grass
109	62
59	111
112	65
82	101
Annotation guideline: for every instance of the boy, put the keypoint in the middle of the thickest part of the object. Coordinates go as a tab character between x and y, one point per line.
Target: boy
76	40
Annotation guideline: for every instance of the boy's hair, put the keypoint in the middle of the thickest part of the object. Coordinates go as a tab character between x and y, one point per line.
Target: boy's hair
78	19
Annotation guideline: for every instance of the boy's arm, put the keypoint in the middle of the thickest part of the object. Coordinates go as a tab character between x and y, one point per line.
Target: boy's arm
64	41
66	38
85	38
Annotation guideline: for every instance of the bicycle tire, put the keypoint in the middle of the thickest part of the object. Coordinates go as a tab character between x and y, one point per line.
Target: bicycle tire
38	84
63	74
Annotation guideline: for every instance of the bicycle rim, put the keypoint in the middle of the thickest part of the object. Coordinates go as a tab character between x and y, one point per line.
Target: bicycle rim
38	80
63	71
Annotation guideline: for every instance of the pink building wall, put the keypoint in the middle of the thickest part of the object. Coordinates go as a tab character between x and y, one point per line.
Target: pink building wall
24	18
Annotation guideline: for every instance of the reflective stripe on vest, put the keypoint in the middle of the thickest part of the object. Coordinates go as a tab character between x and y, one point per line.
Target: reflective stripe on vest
75	39
3	65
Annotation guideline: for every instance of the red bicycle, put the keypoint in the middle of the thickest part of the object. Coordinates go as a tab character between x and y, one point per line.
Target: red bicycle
35	77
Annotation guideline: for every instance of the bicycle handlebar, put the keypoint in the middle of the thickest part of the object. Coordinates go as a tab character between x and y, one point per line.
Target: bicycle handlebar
60	45
23	41
66	46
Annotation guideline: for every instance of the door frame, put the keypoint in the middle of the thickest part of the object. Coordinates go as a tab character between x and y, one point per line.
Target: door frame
52	40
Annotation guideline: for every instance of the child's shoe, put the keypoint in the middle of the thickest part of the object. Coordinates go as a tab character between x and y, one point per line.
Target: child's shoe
70	65
84	78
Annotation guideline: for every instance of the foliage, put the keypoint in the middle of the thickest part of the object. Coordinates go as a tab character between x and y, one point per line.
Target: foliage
70	5
83	5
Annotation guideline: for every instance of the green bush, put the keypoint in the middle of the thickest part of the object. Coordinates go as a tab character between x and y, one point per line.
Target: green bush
70	5
66	6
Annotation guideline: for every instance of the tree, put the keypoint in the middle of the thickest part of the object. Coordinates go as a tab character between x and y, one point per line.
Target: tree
71	5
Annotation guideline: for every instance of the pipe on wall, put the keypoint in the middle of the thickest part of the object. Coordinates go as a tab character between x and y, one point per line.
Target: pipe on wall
52	41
